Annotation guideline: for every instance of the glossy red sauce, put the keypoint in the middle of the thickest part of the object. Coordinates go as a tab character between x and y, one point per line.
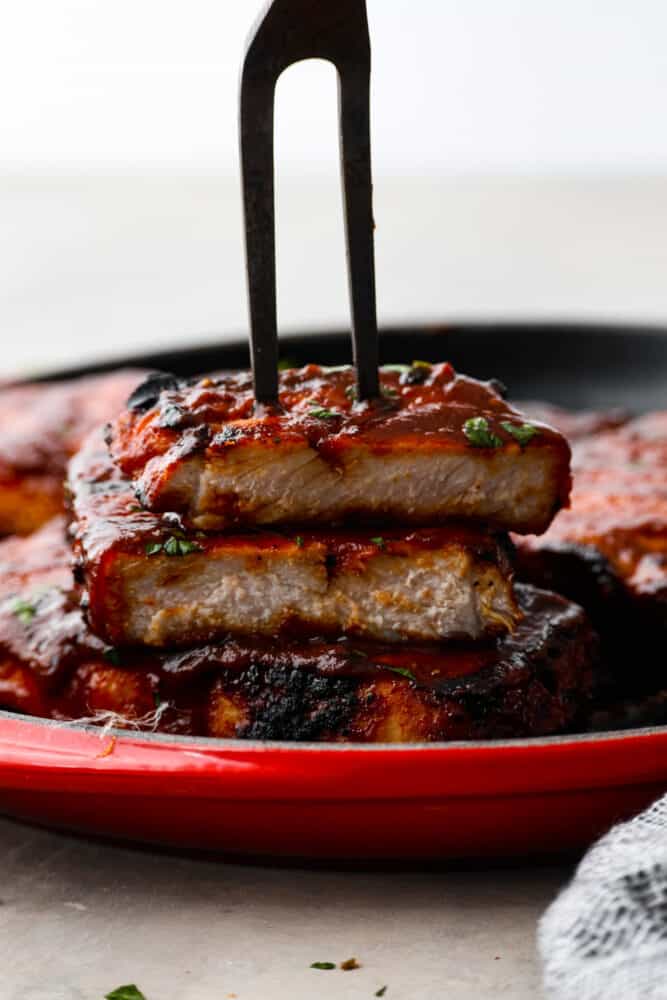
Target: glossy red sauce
424	406
619	501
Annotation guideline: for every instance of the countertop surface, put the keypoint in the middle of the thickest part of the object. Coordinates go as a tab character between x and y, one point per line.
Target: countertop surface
78	918
94	266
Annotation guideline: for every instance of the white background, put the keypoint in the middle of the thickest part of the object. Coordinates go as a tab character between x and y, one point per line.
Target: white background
458	84
520	155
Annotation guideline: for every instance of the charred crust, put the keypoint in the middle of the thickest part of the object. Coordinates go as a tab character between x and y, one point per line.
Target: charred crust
295	704
148	392
172	417
499	387
193	440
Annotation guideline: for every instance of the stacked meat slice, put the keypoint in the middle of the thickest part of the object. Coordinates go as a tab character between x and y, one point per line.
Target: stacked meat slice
327	570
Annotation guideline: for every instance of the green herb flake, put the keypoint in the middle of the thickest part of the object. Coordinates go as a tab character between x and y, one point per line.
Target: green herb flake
389	392
479	434
325	966
174	546
379	541
403	671
381	992
299	541
522	434
323	414
112	655
351	391
129	992
24	611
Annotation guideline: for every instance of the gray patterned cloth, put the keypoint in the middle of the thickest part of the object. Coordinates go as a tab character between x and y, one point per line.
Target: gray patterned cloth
605	936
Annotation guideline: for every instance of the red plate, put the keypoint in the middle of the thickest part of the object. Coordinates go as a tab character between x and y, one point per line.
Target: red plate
330	801
346	801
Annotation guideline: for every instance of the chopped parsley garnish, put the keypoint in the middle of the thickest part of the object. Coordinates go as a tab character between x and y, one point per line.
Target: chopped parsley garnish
381	992
322	413
479	434
24	611
299	541
522	434
389	392
129	992
173	546
323	965
379	541
112	655
403	671
351	391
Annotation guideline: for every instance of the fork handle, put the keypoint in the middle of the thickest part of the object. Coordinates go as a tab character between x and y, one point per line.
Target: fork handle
287	32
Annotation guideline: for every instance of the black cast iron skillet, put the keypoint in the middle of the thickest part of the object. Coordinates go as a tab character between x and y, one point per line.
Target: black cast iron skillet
575	365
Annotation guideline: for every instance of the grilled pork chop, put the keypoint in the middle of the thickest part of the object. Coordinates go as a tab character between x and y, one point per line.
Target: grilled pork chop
148	580
41	426
531	683
609	550
437	445
574	424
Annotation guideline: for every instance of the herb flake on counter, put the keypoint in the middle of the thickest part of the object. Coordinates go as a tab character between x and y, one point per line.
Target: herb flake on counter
24	611
381	992
129	992
324	966
403	671
522	434
479	434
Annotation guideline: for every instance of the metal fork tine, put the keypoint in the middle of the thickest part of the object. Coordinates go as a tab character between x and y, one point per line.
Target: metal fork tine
289	31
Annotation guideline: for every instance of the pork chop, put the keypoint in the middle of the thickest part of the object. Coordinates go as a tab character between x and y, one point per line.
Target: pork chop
534	682
609	550
147	579
436	445
41	426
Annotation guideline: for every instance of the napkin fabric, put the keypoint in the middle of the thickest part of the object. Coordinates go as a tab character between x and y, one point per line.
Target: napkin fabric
605	936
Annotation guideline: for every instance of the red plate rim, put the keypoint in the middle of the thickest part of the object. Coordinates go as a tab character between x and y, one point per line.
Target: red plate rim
43	753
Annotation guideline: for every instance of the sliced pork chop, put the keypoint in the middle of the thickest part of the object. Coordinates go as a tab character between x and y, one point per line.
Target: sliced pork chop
437	445
41	426
573	424
149	580
609	550
536	681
